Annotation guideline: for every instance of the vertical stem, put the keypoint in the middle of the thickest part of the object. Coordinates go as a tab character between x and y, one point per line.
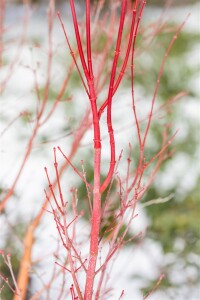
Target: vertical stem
88	38
78	38
95	227
110	95
25	264
96	212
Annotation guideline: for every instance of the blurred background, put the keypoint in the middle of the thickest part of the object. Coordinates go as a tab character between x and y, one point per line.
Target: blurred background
171	230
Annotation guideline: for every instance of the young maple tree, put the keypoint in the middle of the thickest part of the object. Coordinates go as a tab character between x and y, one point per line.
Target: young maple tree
128	199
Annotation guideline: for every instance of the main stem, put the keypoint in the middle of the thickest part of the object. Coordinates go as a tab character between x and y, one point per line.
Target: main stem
96	209
96	212
95	227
